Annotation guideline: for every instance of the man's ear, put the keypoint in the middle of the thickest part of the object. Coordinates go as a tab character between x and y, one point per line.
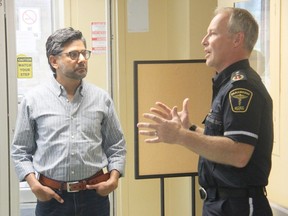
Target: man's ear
239	39
53	61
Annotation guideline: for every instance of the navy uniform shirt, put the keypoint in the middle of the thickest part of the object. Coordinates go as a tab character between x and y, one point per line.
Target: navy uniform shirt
242	111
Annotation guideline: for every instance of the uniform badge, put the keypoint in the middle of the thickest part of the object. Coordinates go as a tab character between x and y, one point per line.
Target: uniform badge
238	75
240	99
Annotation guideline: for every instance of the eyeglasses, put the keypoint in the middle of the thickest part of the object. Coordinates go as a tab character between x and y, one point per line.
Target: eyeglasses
74	55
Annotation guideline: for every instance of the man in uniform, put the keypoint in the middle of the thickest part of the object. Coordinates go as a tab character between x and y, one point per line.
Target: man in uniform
235	146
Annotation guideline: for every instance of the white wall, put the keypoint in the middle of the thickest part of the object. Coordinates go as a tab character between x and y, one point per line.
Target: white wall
279	176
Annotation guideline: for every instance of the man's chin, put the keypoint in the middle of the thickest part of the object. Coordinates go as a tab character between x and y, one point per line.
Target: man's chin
82	73
208	63
79	76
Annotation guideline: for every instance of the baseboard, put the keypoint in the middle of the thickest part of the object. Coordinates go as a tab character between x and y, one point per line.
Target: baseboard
279	210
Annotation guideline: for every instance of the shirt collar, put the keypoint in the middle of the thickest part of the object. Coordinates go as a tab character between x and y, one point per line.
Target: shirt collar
59	90
225	75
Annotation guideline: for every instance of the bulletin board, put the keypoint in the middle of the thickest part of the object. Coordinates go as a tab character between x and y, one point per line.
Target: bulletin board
169	82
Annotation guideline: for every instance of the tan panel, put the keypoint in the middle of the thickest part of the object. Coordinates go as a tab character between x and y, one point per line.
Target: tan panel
171	83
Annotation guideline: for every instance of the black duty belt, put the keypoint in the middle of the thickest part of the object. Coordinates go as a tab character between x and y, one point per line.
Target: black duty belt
224	193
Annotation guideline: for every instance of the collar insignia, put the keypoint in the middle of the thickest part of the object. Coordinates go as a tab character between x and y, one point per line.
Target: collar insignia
237	76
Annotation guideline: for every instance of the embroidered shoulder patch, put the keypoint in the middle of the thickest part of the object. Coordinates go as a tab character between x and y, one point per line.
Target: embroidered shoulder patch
237	76
240	99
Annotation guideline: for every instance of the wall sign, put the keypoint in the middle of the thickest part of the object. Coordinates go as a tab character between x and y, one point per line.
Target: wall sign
24	66
99	37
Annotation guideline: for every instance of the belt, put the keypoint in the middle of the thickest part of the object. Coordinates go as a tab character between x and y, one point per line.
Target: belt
74	186
224	193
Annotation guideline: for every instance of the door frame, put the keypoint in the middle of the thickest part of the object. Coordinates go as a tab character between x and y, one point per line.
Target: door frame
9	183
9	196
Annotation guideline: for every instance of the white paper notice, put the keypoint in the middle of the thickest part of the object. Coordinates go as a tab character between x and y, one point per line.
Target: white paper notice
99	37
138	16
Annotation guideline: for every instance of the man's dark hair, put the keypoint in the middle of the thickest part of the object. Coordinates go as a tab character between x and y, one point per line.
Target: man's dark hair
61	37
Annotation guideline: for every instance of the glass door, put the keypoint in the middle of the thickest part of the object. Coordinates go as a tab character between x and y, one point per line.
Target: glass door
8	94
22	48
35	21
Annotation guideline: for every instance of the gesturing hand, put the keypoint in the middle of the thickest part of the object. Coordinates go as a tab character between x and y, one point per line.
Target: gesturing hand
165	127
166	112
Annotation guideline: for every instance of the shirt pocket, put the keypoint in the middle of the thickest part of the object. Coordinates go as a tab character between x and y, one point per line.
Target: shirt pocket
214	124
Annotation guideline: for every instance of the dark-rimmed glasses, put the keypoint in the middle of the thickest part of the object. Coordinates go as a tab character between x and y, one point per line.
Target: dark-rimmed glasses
74	55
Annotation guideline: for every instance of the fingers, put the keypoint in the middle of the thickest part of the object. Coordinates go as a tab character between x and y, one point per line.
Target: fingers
152	140
151	126
102	188
185	104
55	195
147	124
154	118
160	113
58	198
164	112
175	112
47	194
91	187
148	133
164	107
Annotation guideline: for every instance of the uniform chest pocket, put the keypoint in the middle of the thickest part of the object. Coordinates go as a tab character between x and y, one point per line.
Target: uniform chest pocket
214	124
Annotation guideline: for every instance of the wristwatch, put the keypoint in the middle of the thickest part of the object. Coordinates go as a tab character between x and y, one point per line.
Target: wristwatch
193	127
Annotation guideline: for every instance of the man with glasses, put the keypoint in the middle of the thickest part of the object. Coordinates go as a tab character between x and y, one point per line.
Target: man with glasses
67	133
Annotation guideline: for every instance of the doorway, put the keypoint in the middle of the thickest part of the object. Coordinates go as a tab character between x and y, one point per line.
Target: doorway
26	27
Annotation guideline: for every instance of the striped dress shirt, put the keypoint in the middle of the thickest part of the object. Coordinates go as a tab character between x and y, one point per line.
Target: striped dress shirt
67	140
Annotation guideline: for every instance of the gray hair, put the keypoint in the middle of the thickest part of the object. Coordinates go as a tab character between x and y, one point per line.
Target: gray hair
56	42
241	21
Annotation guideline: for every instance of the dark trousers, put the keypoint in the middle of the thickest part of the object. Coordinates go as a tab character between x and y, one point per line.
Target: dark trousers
83	203
257	206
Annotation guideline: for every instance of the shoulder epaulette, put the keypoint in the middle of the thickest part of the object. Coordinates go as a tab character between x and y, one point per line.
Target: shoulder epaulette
238	75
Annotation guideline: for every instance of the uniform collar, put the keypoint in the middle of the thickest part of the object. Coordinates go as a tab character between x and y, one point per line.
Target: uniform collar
225	75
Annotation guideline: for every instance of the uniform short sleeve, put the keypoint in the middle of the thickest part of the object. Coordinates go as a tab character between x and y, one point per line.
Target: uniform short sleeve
242	113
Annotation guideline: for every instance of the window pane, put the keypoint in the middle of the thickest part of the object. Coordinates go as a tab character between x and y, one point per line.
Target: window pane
260	56
33	26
